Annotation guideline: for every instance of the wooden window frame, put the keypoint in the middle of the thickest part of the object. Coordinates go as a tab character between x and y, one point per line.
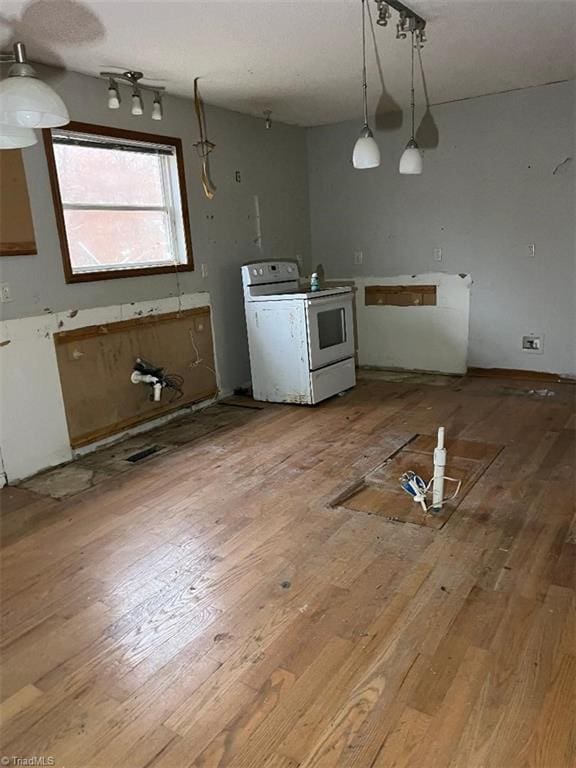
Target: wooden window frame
117	133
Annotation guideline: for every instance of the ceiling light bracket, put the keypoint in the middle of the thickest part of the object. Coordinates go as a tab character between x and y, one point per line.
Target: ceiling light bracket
131	77
20	65
409	22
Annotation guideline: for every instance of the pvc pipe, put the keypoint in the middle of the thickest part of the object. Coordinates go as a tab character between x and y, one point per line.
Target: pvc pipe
147	378
439	471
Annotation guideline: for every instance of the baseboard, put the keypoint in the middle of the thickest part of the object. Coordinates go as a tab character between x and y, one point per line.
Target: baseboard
519	373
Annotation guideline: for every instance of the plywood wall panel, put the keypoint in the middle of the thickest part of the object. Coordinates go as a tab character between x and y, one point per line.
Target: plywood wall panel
16	227
95	364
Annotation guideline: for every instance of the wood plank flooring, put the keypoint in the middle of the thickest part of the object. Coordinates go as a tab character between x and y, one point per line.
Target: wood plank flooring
208	608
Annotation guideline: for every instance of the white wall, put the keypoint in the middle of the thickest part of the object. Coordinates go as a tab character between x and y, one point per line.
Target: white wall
487	191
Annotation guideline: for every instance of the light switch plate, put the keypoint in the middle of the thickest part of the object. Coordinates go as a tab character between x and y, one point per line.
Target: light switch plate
5	292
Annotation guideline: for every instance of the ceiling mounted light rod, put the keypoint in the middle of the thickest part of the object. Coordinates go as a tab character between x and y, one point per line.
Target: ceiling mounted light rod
133	78
366	153
411	160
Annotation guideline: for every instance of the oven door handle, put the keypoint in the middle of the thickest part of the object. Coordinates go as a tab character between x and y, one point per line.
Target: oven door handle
339	298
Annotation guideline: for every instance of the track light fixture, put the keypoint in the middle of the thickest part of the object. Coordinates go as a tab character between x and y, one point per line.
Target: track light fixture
366	152
133	78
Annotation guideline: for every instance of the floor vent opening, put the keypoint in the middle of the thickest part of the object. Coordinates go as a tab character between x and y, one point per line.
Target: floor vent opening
144	453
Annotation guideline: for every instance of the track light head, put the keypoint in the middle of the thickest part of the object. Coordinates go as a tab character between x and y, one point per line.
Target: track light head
137	106
157	111
113	95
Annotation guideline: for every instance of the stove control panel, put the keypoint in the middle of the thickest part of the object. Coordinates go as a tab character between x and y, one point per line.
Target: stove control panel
270	272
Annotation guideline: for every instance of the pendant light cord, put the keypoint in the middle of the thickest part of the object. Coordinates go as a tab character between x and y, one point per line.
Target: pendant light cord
412	81
364	83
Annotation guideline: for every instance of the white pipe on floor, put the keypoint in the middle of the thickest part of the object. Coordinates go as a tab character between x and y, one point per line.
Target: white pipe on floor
439	471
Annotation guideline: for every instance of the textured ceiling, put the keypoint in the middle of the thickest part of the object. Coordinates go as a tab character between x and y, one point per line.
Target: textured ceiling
301	58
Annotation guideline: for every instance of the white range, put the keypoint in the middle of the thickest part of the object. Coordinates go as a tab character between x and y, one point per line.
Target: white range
301	342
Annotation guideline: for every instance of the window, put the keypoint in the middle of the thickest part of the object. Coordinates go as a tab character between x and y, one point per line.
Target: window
120	200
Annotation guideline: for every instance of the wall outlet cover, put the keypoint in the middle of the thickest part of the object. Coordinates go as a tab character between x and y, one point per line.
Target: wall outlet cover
533	344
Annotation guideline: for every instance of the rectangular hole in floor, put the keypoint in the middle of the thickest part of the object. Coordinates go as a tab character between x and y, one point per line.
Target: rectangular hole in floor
379	493
144	454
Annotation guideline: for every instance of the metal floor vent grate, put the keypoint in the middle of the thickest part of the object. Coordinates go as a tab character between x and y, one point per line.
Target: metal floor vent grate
144	454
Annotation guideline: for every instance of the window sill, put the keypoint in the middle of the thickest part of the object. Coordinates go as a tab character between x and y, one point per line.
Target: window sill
115	274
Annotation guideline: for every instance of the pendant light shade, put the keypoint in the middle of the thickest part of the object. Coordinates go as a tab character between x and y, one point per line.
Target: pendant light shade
366	153
27	102
12	137
411	160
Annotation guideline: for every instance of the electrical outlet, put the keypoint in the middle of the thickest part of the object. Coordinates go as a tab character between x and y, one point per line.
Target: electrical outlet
5	292
531	250
299	259
204	270
533	344
358	257
437	254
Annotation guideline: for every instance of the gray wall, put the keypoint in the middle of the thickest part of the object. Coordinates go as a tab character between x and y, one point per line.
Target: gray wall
487	191
272	165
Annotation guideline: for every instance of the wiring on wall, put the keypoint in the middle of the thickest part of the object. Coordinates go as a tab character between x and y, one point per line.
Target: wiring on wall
199	360
204	146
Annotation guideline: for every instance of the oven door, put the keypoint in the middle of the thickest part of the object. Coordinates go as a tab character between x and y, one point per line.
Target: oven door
330	329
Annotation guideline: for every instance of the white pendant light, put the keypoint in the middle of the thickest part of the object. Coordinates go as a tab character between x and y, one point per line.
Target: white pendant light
13	137
27	102
411	160
157	112
113	96
137	106
366	153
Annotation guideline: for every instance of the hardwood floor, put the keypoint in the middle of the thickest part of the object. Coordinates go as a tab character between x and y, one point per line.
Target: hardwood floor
209	608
